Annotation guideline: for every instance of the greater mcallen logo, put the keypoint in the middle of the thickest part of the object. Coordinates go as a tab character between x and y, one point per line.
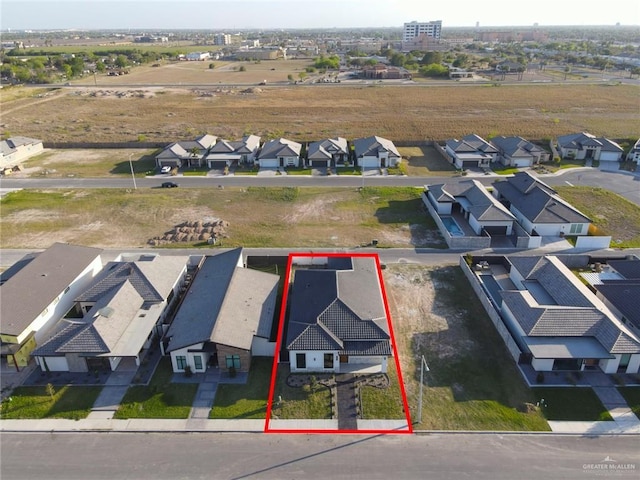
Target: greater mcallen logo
608	464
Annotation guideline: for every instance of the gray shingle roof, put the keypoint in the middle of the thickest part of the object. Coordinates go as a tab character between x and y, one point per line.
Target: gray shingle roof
482	205
280	147
470	144
332	307
27	293
575	314
8	146
538	202
625	297
327	148
581	140
371	146
516	146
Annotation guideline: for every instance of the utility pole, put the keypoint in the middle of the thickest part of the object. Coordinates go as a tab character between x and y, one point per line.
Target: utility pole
132	175
423	366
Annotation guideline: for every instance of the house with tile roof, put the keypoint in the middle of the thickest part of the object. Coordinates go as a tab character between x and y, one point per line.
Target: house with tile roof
538	208
518	152
332	152
186	153
117	317
470	202
470	151
225	317
375	152
224	153
559	324
585	146
280	152
14	150
38	295
337	320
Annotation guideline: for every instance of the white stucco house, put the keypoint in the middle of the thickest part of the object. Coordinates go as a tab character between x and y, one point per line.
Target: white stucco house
14	150
337	321
117	317
332	152
470	151
538	208
189	153
224	153
518	152
375	152
280	152
584	146
37	296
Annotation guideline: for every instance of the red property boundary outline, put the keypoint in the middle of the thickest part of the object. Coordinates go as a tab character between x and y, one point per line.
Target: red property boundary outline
274	369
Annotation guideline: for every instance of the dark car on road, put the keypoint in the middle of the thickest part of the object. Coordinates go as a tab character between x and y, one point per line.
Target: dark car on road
169	185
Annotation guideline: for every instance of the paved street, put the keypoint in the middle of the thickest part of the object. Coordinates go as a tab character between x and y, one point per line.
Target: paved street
272	456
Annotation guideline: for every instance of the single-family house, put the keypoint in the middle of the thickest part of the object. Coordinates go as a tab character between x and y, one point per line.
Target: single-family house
187	153
634	153
14	150
538	208
224	153
471	200
559	324
617	284
280	152
198	56
375	152
37	296
584	146
518	152
116	317
471	151
337	319
225	317
332	152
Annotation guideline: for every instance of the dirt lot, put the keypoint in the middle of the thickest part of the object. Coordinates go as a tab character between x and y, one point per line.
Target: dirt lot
322	217
313	112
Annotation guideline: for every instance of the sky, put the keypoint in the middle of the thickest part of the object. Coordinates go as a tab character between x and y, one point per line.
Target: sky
230	15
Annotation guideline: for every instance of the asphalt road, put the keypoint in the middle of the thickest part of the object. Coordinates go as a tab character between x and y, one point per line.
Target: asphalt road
261	456
625	184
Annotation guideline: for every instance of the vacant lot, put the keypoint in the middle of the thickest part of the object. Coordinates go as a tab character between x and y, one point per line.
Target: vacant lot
258	217
314	112
473	383
612	214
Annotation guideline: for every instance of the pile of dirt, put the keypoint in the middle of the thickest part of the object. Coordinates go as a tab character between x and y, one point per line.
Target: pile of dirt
193	231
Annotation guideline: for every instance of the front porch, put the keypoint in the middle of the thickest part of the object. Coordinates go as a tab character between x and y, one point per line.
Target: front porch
586	378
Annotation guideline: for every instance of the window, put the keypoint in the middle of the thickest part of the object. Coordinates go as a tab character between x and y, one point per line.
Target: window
328	360
233	361
576	228
181	362
301	360
197	362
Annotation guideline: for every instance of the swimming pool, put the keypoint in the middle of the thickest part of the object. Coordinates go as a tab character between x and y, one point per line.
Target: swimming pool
452	226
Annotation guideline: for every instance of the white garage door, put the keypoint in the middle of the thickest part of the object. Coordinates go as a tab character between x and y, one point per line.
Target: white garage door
368	162
57	364
269	163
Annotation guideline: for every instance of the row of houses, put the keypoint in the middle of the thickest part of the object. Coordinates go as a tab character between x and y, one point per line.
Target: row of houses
520	206
69	313
474	151
212	152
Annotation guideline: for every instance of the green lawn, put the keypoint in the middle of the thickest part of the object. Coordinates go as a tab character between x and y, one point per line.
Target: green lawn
299	402
160	399
72	402
473	383
571	404
248	400
632	396
383	403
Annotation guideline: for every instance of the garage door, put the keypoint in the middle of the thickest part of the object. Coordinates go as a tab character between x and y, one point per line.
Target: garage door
496	230
269	163
368	162
521	162
56	364
319	163
218	164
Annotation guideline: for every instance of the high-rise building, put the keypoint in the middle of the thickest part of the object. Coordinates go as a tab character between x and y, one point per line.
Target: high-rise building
415	29
222	39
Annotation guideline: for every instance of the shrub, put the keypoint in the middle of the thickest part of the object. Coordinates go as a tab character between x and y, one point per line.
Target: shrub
187	371
540	377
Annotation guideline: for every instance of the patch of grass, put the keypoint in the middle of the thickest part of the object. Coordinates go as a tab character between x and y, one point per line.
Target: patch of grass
384	403
278	194
425	162
197	173
473	383
248	400
348	171
632	396
503	169
299	402
299	171
571	404
611	213
160	399
73	402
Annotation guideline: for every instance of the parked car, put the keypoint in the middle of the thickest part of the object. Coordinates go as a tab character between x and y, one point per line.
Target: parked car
165	169
169	185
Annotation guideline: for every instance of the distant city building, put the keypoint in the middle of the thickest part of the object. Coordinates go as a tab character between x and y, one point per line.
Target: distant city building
222	39
421	36
415	29
512	36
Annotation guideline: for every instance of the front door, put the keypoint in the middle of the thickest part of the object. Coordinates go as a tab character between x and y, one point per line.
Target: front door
625	358
344	358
